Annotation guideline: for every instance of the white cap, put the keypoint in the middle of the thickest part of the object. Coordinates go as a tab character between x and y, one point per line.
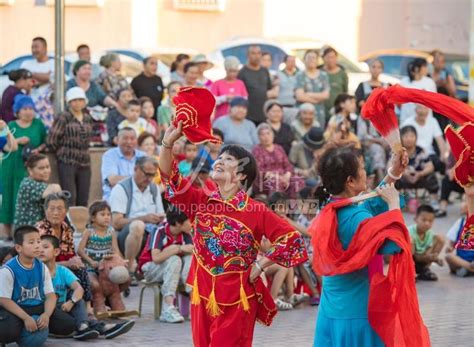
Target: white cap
75	93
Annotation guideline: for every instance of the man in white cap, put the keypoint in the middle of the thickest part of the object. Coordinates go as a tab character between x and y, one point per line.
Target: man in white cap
69	138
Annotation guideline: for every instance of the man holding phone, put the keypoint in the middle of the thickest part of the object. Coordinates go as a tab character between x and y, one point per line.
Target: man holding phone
137	208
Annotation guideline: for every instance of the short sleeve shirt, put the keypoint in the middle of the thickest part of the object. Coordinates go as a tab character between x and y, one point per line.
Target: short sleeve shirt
62	282
29	204
7	281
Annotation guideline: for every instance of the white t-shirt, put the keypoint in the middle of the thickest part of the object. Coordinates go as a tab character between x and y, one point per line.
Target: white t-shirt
452	233
426	83
34	66
7	282
142	203
425	133
140	126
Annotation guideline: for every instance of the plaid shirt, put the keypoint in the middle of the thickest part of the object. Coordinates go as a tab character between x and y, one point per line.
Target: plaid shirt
70	139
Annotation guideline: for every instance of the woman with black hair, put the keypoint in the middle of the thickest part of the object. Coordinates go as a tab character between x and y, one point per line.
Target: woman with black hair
228	295
418	79
345	308
177	67
23	82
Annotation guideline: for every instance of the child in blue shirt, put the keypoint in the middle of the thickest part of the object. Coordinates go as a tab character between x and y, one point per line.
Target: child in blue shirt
69	297
27	299
190	153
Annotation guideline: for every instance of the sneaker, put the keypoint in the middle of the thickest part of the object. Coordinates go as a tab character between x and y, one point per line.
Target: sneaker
441	214
461	272
296	299
86	334
133	280
171	315
283	305
435	205
119	329
314	301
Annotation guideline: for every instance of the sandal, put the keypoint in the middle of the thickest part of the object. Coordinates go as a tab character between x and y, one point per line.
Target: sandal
441	214
427	275
282	305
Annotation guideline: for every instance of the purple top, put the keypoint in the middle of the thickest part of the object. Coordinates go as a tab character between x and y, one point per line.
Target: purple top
6	107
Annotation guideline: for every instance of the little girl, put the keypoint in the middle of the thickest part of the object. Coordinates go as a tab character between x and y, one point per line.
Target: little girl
98	240
148	112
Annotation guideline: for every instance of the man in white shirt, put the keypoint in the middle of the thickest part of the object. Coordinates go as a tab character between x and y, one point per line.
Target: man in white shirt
41	67
427	130
136	207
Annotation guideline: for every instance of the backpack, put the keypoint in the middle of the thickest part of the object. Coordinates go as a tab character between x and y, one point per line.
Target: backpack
127	185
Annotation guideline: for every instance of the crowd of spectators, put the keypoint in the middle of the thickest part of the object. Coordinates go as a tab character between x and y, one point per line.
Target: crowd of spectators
286	119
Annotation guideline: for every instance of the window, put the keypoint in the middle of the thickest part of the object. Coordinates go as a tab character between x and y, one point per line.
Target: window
199	5
241	52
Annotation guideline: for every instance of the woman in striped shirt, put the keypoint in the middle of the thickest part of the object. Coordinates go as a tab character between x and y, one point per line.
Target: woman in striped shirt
69	138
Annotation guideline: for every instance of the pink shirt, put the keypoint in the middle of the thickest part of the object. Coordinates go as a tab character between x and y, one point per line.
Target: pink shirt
221	89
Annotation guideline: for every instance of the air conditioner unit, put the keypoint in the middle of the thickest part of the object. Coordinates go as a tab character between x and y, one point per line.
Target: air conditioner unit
200	5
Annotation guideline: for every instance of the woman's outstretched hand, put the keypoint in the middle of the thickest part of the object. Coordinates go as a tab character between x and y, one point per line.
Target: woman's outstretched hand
172	134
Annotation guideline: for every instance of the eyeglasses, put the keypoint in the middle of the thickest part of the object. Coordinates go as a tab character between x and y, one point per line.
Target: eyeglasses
148	174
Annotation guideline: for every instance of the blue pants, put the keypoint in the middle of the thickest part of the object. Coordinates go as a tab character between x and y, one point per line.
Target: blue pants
35	339
12	328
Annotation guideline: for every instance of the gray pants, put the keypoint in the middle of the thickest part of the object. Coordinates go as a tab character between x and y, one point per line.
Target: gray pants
169	272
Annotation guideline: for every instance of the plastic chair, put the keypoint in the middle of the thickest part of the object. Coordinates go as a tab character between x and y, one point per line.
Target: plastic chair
156	286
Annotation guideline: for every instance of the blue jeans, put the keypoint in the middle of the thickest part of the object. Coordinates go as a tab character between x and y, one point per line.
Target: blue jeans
78	312
35	339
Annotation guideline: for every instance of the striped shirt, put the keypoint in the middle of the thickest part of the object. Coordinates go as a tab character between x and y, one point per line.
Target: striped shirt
70	139
160	239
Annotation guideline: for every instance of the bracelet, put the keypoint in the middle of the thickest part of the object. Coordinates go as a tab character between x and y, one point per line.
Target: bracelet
258	266
392	176
165	145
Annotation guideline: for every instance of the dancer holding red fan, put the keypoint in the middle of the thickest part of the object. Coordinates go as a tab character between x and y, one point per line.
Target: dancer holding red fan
228	295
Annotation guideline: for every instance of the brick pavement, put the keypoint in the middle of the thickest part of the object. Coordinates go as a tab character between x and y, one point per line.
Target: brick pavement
447	307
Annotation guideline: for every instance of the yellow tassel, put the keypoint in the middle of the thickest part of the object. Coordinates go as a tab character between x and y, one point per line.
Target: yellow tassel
195	297
212	305
243	297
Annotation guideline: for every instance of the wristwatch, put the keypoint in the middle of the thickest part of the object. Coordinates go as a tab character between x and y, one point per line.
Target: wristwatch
74	301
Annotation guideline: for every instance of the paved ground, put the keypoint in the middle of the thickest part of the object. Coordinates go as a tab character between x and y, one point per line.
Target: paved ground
447	307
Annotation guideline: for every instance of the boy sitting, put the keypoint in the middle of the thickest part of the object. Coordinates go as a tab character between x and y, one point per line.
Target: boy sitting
65	281
460	262
426	246
167	257
27	299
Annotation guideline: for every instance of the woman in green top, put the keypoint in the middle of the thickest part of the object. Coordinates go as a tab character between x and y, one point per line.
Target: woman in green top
312	86
33	189
338	80
29	132
166	110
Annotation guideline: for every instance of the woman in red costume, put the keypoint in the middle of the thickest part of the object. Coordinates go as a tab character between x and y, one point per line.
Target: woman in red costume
228	295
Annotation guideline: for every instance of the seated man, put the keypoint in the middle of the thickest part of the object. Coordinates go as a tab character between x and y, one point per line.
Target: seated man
460	262
27	300
118	163
426	246
136	207
167	257
420	170
72	305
